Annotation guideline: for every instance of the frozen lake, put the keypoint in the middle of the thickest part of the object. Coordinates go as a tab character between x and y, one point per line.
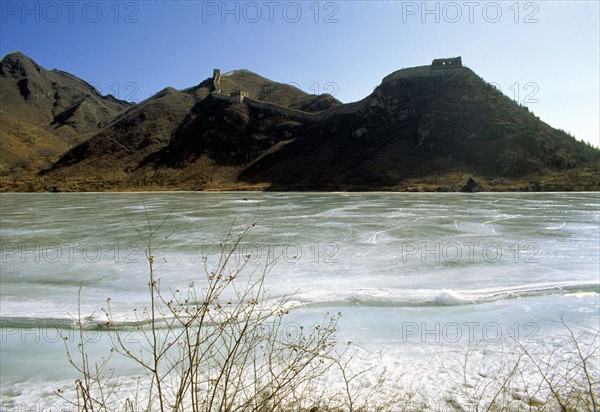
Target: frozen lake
419	278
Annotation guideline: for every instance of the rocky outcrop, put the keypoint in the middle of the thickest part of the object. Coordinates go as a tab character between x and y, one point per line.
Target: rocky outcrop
472	186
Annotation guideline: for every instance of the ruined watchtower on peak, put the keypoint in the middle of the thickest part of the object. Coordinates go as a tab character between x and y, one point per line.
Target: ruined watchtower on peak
237	96
447	63
216	80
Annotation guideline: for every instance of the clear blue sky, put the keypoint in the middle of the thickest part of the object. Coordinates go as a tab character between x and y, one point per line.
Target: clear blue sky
543	53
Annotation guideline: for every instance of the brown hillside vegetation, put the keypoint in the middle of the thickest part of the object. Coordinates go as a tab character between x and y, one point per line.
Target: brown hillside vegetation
25	147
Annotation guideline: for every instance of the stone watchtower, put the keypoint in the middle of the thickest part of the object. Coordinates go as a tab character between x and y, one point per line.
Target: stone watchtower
447	63
234	97
238	96
216	80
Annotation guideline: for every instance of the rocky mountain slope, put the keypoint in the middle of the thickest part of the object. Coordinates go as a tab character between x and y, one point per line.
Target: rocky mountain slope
44	112
423	124
423	128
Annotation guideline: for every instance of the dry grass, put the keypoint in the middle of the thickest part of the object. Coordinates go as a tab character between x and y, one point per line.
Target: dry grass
558	375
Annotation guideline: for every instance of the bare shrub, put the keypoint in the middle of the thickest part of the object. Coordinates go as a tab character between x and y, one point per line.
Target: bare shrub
221	344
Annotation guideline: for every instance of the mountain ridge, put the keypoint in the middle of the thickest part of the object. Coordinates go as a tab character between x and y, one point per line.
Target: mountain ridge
423	128
64	108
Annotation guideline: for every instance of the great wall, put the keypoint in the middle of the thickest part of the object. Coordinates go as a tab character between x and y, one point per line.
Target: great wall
437	67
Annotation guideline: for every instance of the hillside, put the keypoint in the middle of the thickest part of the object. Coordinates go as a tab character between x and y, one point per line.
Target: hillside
44	112
424	124
425	128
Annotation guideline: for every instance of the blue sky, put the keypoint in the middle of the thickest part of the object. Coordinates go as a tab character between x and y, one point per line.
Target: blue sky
544	54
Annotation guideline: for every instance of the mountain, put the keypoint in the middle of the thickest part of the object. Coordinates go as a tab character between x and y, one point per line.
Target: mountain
425	124
423	128
149	129
44	112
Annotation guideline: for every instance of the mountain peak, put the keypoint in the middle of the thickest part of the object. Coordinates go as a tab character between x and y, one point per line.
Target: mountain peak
16	56
438	67
18	64
45	98
240	71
